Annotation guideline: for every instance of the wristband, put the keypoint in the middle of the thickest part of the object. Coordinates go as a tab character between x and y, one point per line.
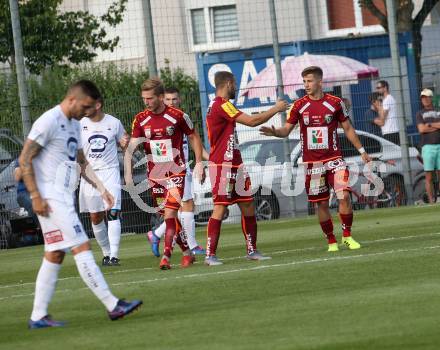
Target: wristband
34	195
361	150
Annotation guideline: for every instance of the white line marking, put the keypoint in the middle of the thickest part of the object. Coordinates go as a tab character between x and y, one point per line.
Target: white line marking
259	267
279	252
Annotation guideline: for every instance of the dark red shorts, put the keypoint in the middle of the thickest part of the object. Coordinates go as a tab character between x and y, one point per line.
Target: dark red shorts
168	192
320	176
230	184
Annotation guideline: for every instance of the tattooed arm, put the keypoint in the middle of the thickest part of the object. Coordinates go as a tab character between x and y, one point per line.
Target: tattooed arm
30	150
90	176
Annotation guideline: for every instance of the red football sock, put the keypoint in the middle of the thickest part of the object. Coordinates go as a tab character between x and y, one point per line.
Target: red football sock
249	227
170	232
347	221
327	228
213	236
180	237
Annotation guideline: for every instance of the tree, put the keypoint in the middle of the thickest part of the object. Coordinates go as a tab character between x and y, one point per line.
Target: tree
51	37
405	23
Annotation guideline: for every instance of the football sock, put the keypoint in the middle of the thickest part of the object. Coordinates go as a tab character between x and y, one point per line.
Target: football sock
93	278
44	288
181	241
160	231
100	232
213	233
327	228
170	232
249	227
347	221
189	226
114	236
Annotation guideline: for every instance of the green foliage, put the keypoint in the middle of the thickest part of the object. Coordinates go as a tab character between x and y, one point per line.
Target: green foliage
52	38
120	88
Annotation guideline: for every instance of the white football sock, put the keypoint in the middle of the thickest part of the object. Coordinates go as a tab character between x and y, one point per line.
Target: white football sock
189	225
160	231
114	236
100	232
44	288
93	278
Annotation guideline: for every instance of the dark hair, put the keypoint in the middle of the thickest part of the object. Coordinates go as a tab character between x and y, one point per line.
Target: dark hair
88	88
384	83
222	77
315	70
375	96
172	90
154	84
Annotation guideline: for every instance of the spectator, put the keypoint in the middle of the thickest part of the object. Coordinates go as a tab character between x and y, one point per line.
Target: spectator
373	113
387	119
428	124
23	199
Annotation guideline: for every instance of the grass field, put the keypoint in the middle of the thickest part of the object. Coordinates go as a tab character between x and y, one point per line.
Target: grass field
383	296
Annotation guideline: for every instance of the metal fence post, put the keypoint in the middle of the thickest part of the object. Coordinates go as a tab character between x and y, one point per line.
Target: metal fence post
20	68
149	36
280	86
397	72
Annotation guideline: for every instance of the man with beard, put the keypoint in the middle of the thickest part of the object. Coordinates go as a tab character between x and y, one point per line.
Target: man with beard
230	182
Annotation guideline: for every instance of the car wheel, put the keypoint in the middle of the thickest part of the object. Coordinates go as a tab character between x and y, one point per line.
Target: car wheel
266	207
395	187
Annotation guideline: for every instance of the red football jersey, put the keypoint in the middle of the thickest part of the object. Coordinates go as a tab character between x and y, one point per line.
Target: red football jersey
164	134
220	122
318	121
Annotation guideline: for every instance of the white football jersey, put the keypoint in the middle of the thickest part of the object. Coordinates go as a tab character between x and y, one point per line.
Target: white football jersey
100	141
55	167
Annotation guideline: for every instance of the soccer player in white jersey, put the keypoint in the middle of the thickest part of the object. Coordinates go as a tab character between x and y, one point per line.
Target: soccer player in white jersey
186	212
101	134
49	163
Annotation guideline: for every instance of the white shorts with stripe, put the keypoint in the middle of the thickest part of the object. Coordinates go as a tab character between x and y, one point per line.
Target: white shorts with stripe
62	229
90	200
188	190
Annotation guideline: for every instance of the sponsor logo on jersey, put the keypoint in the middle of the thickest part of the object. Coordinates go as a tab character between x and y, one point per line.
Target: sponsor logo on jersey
306	118
158	190
97	143
230	109
85	127
170	130
317	137
72	147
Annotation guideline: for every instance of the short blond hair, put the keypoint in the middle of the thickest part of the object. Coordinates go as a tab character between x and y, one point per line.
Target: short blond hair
154	84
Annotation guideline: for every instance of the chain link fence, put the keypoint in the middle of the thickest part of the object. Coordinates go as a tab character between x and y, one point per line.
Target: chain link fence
111	43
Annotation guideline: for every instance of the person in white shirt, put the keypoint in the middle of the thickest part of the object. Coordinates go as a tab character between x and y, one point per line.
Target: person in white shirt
101	134
49	167
186	212
387	118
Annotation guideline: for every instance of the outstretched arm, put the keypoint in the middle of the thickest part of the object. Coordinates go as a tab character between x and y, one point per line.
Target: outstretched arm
263	117
354	139
30	150
277	132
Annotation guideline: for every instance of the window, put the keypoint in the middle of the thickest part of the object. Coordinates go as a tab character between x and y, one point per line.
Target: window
198	26
214	28
347	16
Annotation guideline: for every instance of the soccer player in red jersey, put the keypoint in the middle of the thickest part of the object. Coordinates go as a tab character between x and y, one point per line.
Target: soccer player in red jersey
163	128
230	182
318	115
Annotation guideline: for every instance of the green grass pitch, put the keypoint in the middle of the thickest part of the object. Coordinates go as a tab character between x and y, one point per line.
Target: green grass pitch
383	296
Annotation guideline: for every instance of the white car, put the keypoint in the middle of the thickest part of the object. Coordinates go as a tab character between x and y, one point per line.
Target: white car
278	185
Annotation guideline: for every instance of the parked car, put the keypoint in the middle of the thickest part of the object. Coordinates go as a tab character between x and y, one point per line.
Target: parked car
272	183
133	219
